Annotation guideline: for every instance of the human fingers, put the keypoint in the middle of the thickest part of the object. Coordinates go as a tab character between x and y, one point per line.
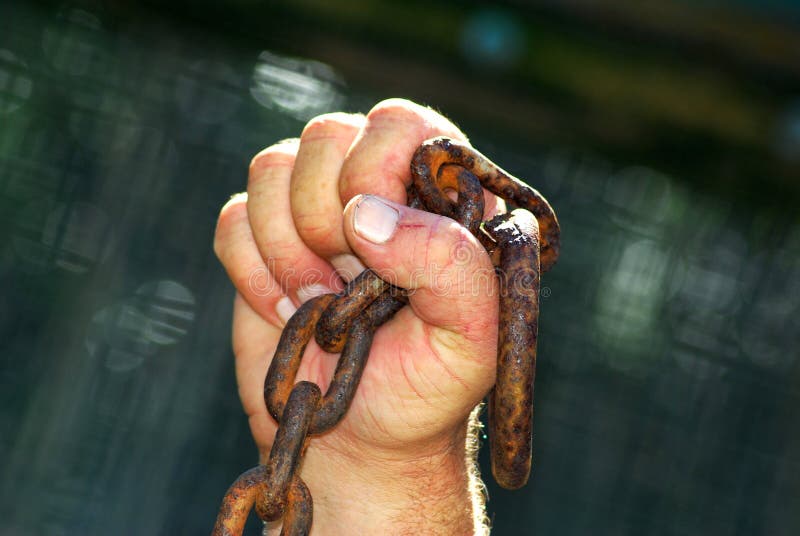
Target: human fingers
236	249
451	277
379	160
299	271
316	206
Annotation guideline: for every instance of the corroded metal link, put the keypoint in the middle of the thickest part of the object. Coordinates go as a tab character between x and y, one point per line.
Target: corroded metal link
238	502
513	243
243	494
435	153
467	209
299	510
286	450
352	361
412	197
295	337
335	321
520	244
511	400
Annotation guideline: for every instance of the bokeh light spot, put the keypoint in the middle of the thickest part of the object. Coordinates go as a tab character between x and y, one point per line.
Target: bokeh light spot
301	88
492	38
628	302
639	198
169	308
158	314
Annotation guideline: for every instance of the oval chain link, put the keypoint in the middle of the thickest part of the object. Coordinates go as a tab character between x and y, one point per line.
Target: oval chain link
521	244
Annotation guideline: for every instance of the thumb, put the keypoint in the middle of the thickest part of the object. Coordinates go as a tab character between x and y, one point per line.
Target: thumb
451	277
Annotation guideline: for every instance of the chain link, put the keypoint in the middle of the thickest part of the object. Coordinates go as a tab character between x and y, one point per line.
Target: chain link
521	245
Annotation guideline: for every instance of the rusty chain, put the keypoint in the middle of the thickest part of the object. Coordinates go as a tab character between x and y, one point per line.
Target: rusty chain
521	244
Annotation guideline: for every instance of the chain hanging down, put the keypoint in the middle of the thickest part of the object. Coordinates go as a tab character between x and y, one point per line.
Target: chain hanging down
521	244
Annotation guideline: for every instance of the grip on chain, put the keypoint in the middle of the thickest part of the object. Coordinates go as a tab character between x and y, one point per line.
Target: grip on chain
513	242
521	245
436	153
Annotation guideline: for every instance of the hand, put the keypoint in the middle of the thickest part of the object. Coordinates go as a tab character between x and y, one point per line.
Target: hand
303	228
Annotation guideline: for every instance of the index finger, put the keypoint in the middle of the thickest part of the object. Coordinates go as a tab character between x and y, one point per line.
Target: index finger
379	160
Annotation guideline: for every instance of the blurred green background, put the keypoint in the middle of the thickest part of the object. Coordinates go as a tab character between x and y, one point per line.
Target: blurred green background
665	134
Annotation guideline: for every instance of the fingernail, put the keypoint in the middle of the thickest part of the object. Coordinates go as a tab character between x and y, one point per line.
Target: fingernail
347	266
285	309
374	220
311	291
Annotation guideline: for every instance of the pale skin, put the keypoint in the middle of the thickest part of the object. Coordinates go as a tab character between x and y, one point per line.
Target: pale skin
398	463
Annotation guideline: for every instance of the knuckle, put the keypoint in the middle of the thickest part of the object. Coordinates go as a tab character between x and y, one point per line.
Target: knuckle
278	155
312	228
331	125
280	249
420	121
229	219
396	109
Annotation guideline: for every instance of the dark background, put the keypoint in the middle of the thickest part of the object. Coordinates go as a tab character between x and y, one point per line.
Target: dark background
665	134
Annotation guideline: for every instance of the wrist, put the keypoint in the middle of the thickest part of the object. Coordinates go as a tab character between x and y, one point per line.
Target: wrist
431	489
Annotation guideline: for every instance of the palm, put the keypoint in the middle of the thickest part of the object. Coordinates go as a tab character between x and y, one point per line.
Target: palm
418	383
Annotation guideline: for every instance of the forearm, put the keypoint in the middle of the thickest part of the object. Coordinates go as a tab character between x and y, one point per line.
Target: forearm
437	493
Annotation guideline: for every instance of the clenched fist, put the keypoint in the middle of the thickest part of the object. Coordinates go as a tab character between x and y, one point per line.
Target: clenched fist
318	210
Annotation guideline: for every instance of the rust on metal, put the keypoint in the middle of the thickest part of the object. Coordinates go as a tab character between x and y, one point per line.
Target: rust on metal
285	454
299	510
238	502
513	243
435	153
521	245
353	360
295	337
334	323
511	400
